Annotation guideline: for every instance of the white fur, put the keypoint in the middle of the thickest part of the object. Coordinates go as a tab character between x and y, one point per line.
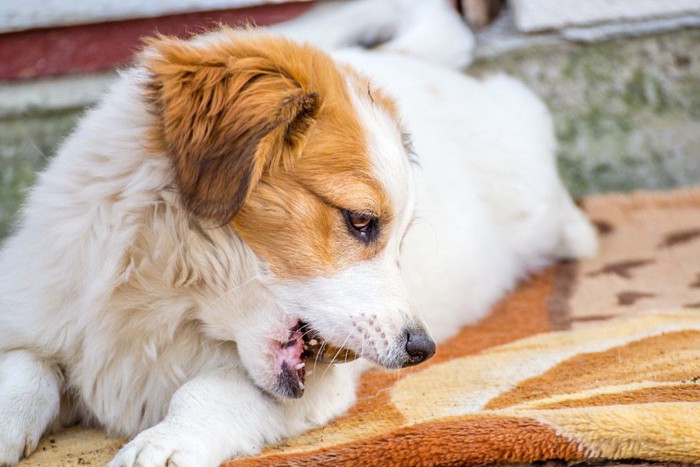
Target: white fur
113	300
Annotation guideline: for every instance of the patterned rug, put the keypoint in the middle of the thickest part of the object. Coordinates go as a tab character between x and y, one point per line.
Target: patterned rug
597	360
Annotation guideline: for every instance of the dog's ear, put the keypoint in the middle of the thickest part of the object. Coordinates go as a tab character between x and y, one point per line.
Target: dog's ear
225	114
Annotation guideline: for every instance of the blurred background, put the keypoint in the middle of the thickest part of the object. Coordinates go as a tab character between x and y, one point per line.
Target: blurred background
622	77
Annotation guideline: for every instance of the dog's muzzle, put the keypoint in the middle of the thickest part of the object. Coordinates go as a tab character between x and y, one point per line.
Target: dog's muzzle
305	345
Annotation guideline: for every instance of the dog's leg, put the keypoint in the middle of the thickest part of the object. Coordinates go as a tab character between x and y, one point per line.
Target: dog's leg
30	392
212	418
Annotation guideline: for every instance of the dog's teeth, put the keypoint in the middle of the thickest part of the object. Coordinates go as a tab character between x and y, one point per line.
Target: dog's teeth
306	347
301	386
300	366
313	342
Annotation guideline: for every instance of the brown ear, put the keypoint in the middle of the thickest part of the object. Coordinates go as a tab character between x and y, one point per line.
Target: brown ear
225	115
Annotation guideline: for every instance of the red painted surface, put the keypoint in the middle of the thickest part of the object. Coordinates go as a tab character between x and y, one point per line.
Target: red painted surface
94	47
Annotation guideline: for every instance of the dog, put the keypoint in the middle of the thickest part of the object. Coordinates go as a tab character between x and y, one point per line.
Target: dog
246	212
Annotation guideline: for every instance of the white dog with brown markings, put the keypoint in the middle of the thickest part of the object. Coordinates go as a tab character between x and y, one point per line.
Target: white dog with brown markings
243	207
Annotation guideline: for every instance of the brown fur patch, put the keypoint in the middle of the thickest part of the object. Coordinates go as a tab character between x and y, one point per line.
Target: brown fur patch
262	133
293	218
227	112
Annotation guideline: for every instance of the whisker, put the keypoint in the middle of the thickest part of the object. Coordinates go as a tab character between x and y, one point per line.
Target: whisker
230	291
235	288
320	351
360	369
345	360
362	346
339	350
307	332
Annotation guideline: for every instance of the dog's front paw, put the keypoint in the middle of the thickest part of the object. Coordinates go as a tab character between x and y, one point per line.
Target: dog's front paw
19	434
16	442
156	448
11	449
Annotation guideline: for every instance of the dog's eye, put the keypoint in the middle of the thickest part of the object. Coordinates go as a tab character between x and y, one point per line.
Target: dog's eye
362	225
359	221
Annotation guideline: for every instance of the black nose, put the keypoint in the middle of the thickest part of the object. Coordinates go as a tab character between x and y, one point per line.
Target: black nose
419	347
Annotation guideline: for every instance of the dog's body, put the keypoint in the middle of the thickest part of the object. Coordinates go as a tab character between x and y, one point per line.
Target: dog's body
136	298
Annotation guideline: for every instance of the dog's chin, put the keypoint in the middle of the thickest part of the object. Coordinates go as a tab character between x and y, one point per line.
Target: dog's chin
291	358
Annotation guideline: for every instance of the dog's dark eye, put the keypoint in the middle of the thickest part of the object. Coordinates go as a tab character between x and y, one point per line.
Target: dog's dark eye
359	221
363	226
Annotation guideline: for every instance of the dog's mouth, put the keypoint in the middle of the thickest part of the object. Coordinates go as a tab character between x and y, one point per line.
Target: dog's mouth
304	346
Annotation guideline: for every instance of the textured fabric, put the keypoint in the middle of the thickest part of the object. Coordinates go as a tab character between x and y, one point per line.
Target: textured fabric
592	360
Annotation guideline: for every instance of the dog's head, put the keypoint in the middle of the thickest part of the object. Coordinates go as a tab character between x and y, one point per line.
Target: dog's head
312	170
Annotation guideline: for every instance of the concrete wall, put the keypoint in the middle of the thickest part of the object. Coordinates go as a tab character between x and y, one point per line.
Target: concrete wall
627	111
26	144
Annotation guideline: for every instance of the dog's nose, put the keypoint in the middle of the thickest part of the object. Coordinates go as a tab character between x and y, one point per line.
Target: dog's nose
419	347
